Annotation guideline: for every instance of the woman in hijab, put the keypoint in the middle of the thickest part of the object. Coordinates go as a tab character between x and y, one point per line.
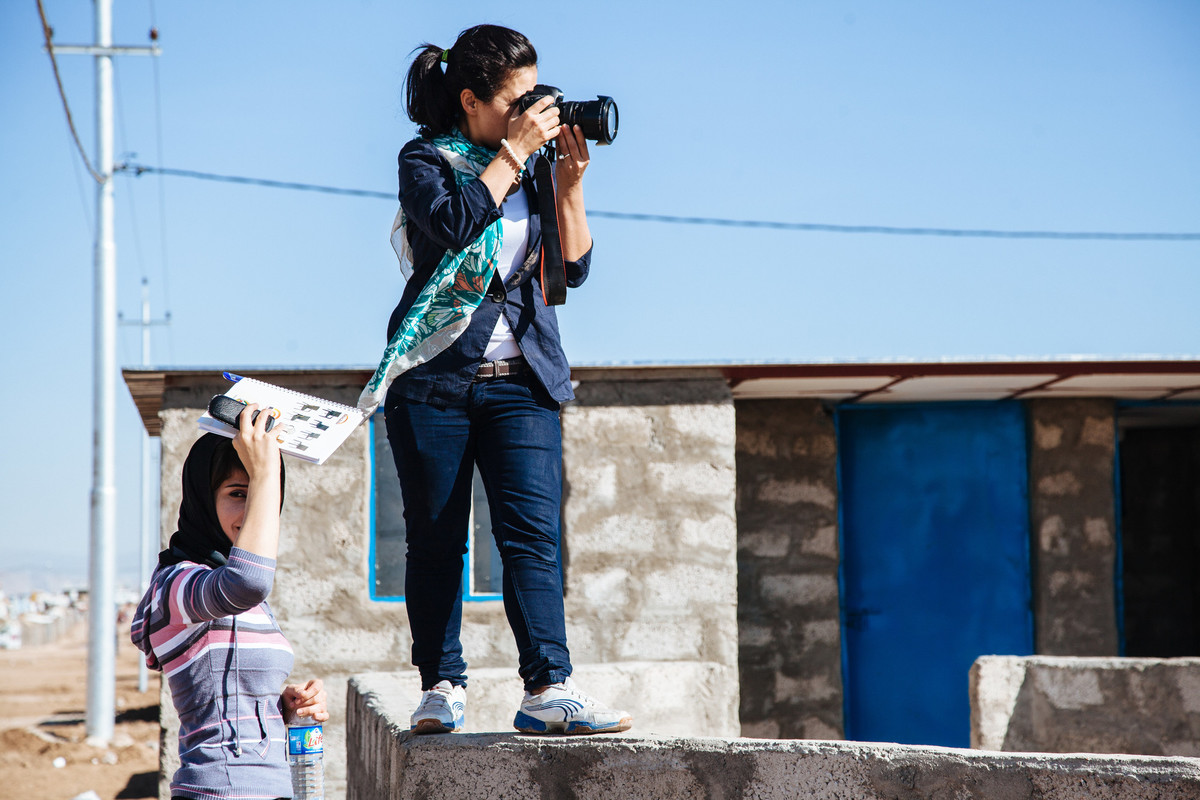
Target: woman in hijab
208	594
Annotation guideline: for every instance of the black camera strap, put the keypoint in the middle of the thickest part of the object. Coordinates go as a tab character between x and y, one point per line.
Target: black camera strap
553	272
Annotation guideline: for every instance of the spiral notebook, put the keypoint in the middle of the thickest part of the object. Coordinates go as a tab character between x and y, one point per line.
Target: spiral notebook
309	428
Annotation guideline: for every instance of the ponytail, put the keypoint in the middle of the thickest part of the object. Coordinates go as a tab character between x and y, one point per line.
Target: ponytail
427	99
482	59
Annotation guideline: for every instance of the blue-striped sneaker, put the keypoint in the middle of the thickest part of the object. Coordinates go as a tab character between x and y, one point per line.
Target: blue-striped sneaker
441	710
562	708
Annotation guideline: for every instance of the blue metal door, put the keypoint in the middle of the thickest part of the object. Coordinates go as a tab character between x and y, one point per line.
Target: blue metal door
935	562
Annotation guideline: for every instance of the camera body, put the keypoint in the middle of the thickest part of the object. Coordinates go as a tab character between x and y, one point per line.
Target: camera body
597	118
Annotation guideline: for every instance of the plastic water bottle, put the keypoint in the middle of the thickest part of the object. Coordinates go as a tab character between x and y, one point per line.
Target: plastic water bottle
306	754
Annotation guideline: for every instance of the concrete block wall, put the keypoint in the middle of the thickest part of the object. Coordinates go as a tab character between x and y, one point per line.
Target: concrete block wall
320	596
649	543
672	698
1060	704
648	524
389	763
1073	524
321	593
789	628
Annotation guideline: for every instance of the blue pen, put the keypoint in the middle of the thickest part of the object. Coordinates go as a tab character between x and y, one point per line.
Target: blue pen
229	376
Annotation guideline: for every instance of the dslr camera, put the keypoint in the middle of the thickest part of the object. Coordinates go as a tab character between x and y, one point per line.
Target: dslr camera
597	118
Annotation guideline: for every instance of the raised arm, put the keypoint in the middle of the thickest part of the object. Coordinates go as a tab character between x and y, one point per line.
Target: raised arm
248	508
196	593
258	530
573	159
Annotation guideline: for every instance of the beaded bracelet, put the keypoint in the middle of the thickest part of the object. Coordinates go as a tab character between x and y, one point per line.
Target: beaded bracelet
513	155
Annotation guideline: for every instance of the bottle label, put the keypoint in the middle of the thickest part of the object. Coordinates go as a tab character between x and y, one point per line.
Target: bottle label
305	740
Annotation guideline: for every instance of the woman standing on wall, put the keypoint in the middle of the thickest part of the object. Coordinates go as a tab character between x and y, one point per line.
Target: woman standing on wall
474	371
209	593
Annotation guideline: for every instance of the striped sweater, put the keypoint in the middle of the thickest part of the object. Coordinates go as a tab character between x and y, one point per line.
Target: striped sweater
215	639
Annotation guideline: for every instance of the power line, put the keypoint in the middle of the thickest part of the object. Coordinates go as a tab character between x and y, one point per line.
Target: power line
139	169
48	33
891	231
75	170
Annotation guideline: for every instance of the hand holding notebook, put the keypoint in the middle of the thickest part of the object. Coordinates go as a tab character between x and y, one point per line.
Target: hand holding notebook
309	428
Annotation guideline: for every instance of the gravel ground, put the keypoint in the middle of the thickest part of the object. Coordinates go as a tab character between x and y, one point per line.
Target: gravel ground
43	697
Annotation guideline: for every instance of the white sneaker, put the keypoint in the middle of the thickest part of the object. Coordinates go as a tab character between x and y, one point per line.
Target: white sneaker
562	708
441	710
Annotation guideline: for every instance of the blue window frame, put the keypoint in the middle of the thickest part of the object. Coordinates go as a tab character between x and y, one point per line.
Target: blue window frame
482	570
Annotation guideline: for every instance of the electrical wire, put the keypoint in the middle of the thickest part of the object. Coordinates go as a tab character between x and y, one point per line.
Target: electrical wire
139	169
892	231
83	205
48	33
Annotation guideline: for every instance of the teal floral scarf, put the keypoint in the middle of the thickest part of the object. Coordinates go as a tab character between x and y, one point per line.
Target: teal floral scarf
443	309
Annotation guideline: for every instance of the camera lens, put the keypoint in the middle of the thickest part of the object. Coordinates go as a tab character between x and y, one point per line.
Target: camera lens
598	118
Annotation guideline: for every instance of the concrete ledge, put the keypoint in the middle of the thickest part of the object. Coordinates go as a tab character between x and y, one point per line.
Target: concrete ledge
1059	704
386	762
665	697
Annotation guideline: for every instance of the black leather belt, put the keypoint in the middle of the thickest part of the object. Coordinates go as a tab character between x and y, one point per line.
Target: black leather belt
501	368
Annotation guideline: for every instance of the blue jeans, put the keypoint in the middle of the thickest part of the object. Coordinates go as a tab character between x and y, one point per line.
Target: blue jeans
509	427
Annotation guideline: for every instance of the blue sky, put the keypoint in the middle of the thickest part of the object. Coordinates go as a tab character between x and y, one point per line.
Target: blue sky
1070	116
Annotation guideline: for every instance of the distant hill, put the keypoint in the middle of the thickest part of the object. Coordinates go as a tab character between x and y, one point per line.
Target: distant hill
25	572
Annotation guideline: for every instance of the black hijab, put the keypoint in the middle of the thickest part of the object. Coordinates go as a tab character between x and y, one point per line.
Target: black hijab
199	537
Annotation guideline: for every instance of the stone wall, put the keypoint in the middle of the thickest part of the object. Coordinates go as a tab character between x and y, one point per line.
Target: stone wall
790	655
1072	519
649	539
661	695
648	524
1094	705
388	763
320	596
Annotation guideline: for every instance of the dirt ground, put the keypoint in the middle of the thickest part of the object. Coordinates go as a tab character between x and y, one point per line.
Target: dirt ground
43	701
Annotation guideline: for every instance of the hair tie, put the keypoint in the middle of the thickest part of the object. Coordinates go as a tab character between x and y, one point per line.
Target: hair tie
445	56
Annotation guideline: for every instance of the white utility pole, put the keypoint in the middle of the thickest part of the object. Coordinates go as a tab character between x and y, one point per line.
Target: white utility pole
150	538
102	611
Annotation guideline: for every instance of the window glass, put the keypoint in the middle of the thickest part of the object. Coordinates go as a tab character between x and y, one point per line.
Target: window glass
387	519
483	571
486	573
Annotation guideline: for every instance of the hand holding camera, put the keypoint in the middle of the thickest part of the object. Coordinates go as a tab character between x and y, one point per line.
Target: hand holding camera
532	126
580	120
597	119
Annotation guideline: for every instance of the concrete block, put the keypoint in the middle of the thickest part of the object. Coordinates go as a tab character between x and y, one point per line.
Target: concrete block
669	698
387	762
787	550
667	639
1097	705
800	590
1072	506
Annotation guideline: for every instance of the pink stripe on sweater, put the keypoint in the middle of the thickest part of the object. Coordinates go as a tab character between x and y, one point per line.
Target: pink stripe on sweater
184	582
252	563
216	637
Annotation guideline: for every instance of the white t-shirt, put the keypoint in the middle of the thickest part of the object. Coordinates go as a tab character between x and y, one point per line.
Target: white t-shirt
515	227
